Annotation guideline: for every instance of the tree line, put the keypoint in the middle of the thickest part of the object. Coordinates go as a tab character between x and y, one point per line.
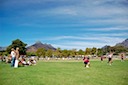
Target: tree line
41	52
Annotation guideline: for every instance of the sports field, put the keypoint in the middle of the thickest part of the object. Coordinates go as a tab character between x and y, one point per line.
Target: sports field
65	73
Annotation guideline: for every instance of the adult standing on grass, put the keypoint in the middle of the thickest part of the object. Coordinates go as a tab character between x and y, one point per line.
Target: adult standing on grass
13	55
110	58
17	57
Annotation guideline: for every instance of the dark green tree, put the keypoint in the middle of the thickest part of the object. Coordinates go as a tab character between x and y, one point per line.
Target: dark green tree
17	43
119	49
99	52
94	51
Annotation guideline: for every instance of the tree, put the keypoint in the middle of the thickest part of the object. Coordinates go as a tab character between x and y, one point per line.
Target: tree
93	51
31	54
88	51
17	43
99	52
115	49
41	52
106	49
49	53
81	52
58	52
65	53
119	49
73	52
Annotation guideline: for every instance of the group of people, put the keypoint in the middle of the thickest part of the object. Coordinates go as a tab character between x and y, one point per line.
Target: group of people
16	60
87	60
110	56
23	62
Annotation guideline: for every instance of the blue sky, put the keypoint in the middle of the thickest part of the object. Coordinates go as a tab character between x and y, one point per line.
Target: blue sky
66	24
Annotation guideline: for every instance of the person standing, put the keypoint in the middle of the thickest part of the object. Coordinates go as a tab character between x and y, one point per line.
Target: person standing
110	58
13	55
122	57
17	57
101	58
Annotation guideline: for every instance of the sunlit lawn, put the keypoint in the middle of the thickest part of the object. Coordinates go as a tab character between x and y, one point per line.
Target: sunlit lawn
65	73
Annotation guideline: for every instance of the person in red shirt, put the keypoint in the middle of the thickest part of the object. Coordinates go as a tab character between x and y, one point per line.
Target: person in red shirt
87	62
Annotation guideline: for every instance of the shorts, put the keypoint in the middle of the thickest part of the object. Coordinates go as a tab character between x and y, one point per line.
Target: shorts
85	62
109	59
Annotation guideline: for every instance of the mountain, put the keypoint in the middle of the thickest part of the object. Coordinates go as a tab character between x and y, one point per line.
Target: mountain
37	45
105	47
124	43
2	48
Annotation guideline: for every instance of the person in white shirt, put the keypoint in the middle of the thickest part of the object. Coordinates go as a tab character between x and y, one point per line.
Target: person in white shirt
17	57
110	58
13	55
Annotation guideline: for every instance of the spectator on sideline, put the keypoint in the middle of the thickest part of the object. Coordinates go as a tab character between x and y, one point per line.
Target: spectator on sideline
17	57
13	55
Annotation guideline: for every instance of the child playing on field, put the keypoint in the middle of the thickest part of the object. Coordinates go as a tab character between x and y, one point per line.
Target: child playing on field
101	58
122	57
110	58
86	62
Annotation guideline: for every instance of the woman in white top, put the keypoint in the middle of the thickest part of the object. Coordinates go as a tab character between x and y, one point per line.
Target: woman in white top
17	57
13	55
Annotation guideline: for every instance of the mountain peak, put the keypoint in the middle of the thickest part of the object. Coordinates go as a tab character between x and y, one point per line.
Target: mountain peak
124	43
37	45
38	42
2	48
126	40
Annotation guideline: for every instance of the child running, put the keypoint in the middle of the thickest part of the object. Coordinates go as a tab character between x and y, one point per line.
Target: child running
122	57
110	58
86	62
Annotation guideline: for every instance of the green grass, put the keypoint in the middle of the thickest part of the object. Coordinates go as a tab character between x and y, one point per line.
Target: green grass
65	73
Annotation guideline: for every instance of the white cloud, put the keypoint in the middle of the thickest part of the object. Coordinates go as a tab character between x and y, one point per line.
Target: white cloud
89	12
89	9
82	42
63	11
108	29
80	45
85	12
114	34
117	21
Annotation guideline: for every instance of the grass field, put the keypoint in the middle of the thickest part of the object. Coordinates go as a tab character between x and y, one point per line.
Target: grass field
65	73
